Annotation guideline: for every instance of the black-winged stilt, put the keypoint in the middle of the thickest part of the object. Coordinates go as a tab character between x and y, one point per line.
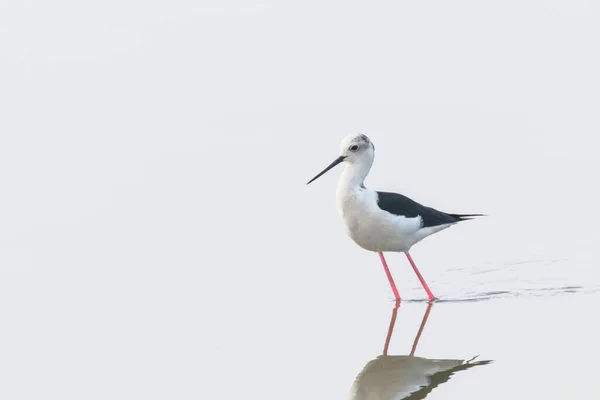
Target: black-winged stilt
382	221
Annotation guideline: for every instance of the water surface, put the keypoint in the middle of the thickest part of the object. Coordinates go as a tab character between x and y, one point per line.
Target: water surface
158	241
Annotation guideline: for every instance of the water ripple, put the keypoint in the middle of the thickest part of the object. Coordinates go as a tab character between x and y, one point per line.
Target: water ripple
503	294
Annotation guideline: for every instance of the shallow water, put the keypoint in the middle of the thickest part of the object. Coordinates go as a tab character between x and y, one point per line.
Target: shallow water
131	332
158	241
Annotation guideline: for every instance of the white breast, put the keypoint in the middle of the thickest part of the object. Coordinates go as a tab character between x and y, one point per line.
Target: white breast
372	228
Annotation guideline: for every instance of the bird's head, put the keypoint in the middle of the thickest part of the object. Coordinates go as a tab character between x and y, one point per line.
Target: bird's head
354	149
357	148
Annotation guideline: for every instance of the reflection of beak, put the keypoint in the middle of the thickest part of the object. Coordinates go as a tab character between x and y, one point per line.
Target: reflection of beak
333	164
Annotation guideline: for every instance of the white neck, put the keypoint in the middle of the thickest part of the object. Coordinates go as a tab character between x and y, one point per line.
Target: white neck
354	175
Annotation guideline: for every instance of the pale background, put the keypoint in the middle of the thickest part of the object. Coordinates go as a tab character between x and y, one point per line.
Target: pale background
157	238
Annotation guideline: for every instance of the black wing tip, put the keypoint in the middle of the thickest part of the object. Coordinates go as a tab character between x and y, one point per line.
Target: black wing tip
466	217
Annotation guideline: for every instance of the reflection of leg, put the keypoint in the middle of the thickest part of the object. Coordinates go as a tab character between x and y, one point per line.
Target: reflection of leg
414	347
389	276
391	328
430	296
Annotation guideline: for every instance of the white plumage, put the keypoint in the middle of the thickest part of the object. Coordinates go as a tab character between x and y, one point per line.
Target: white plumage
382	221
368	225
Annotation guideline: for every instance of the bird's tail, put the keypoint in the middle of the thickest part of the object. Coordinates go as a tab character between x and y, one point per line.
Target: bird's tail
465	217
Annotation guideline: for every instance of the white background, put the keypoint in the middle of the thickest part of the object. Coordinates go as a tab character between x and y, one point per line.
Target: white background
156	232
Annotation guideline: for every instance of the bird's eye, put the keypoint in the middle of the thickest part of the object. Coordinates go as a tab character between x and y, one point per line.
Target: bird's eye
354	147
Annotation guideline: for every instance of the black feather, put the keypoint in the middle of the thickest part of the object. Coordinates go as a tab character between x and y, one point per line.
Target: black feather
398	204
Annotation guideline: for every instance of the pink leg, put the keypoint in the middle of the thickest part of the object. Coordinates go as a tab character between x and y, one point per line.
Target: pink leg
430	296
389	276
391	328
423	322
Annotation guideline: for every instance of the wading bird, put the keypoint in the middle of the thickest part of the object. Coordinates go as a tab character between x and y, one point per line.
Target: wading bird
382	221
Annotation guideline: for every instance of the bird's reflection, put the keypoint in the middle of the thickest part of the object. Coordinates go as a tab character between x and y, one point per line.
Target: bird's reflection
405	376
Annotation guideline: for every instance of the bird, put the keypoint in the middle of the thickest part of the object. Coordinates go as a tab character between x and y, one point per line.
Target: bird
383	221
405	376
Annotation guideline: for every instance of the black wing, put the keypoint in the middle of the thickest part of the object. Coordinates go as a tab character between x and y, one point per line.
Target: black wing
398	204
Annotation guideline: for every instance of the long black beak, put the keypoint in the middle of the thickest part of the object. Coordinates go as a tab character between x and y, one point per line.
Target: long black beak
333	164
